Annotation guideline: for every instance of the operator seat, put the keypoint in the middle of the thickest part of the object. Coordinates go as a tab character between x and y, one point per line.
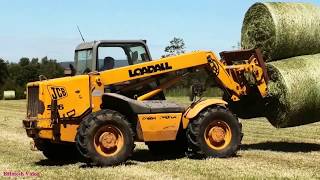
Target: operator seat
108	63
134	57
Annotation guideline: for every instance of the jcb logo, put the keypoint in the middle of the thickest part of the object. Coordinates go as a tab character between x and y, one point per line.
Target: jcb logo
57	92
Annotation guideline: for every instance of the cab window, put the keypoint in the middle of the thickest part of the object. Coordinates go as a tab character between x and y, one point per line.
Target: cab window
112	56
83	61
138	54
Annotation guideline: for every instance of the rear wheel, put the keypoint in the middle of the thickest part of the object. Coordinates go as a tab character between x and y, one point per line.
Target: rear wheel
216	132
106	138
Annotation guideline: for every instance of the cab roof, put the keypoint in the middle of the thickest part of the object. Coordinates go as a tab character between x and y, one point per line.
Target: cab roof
92	44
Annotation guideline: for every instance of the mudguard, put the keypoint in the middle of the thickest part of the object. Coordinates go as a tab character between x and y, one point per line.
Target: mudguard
194	110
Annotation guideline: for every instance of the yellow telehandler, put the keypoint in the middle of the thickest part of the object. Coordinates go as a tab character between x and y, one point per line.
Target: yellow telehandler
113	97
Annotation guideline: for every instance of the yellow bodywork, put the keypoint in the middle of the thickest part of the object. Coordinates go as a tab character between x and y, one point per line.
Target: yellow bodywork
73	102
159	127
68	132
73	97
81	95
195	109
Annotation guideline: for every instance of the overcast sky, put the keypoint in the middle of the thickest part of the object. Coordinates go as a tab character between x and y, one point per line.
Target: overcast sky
48	28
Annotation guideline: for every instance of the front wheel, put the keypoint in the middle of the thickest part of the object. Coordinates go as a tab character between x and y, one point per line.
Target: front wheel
215	132
106	137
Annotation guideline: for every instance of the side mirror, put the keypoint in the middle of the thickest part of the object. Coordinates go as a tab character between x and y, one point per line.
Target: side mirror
67	72
70	71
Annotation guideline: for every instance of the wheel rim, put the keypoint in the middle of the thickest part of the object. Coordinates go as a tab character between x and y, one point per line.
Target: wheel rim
108	140
218	135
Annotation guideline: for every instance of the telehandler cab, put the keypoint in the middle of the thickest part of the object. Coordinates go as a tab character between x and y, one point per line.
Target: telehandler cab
114	98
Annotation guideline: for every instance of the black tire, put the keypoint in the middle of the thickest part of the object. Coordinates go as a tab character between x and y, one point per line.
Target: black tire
54	151
177	147
91	126
198	146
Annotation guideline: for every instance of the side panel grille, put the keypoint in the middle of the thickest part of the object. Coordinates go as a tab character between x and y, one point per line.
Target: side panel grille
33	101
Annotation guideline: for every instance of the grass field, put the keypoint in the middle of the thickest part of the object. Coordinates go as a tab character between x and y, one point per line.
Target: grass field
266	153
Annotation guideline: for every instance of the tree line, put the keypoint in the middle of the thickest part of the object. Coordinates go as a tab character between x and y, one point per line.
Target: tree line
15	76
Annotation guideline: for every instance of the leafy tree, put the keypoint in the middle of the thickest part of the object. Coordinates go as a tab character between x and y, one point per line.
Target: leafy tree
3	71
24	61
16	80
24	72
19	74
176	47
50	68
3	75
34	61
44	60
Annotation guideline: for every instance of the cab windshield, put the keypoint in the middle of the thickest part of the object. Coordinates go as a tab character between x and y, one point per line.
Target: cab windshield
83	61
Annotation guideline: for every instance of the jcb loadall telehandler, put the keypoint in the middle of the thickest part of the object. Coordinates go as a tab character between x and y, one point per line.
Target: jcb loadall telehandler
114	98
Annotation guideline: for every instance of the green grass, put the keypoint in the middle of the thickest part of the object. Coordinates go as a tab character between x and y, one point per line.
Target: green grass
266	153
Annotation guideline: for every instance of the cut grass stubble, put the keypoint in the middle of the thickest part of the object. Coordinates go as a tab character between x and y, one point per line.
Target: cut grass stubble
266	153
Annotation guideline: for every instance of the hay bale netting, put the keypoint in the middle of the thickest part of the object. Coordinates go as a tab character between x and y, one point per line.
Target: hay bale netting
294	89
9	95
282	30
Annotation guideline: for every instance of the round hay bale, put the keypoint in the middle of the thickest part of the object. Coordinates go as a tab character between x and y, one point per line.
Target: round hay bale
294	90
282	30
9	95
